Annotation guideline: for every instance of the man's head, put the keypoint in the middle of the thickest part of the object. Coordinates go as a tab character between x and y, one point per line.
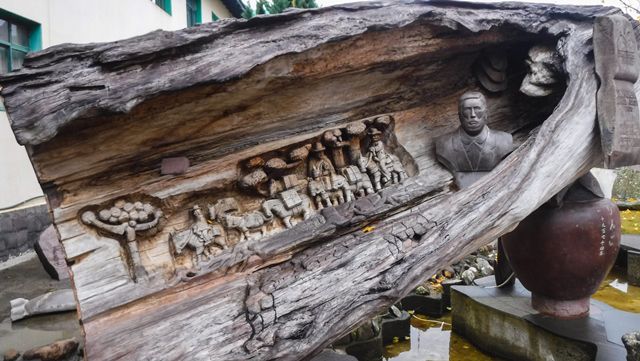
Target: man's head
472	112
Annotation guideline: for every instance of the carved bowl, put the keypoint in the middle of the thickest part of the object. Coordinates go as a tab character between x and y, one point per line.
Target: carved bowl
562	254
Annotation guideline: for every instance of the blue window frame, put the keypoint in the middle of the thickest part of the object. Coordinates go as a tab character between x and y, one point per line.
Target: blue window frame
194	12
18	36
164	5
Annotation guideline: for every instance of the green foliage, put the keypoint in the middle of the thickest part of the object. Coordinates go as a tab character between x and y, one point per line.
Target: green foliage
261	7
248	13
276	7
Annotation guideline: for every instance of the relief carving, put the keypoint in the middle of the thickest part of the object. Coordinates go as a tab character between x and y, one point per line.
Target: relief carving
544	75
127	219
616	62
227	212
275	191
491	70
200	236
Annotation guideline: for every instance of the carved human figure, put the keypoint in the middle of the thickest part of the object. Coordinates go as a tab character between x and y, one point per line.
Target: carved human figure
320	167
199	236
473	149
320	171
384	167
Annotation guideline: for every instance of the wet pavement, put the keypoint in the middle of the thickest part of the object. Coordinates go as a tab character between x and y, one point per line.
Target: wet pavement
28	280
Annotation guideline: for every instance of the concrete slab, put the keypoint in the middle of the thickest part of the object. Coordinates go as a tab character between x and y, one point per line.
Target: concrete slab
630	242
503	323
630	246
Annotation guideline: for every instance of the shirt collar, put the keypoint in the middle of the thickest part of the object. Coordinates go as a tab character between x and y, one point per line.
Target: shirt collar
478	139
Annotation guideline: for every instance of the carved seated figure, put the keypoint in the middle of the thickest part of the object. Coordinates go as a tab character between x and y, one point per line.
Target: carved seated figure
384	167
473	149
199	236
326	187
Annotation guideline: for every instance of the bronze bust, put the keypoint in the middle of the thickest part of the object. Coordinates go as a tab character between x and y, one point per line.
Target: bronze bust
473	149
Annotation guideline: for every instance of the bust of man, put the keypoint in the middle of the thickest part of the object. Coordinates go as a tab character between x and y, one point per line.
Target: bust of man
473	149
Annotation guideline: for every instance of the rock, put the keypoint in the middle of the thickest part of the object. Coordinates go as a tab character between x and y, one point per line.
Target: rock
11	355
395	311
51	254
51	302
56	351
448	272
333	355
469	275
485	268
421	290
631	342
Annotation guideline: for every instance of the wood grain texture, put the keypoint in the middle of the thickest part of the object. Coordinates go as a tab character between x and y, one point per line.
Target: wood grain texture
222	93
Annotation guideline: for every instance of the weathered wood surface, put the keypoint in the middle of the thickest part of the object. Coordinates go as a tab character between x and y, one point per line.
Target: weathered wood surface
226	92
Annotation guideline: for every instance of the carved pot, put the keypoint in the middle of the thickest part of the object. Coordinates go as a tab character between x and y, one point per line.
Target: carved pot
562	254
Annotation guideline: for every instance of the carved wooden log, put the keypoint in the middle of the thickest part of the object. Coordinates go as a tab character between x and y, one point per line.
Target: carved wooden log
248	103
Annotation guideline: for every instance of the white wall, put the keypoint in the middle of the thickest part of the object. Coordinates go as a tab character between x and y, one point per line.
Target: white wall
84	21
80	21
215	6
17	179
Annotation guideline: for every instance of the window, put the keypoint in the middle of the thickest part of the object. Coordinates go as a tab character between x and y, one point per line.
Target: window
194	12
18	36
214	17
164	5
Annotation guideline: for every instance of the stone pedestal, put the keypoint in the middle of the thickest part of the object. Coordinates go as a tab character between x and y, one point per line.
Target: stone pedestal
633	267
502	322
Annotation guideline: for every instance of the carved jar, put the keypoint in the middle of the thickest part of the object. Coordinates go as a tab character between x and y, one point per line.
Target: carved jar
562	253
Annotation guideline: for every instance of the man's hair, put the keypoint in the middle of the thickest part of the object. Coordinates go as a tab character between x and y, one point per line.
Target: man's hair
472	95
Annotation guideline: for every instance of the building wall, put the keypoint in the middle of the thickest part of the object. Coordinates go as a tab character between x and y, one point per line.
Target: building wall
215	6
80	21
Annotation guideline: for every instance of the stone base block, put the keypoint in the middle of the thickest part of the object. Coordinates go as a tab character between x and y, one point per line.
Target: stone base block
633	267
503	323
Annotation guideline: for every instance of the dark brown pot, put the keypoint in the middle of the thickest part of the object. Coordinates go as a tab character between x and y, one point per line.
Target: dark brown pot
562	254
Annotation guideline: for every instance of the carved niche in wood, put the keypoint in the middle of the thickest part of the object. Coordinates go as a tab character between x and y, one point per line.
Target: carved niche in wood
126	219
288	185
337	167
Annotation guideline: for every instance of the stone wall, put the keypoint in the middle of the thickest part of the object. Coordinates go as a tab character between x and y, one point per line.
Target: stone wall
19	229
